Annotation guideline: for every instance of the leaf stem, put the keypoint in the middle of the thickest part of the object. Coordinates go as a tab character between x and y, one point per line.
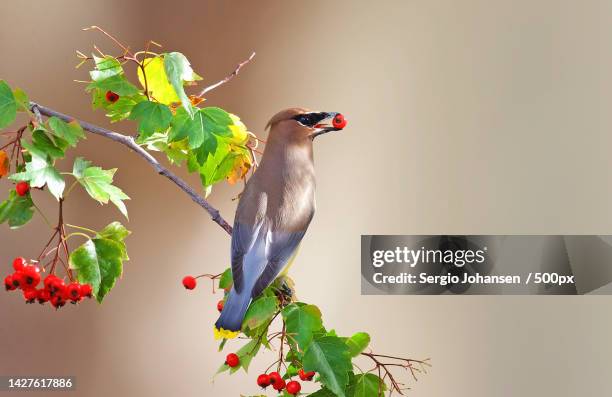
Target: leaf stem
82	228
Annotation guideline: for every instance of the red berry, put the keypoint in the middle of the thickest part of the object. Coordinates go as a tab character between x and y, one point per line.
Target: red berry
19	263
112	97
339	121
220	305
55	285
189	282
49	280
306	376
275	377
279	384
86	291
30	295
73	292
263	380
18	279
22	188
232	360
57	301
43	296
8	283
31	276
294	387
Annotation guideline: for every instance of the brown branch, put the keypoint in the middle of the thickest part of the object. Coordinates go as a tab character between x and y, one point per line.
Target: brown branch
228	78
131	143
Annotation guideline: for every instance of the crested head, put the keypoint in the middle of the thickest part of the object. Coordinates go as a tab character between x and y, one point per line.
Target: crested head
300	125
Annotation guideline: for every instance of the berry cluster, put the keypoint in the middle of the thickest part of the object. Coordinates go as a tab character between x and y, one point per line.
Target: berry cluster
278	383
274	379
27	277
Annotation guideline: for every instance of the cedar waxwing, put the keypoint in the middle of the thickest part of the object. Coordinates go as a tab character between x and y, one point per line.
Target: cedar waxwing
274	211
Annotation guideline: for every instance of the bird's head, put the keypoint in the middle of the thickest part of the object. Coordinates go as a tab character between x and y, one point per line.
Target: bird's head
298	124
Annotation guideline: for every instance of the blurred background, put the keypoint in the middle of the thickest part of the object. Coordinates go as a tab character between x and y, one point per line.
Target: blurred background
469	117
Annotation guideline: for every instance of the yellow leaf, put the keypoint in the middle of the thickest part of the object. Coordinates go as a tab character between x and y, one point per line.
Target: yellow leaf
157	81
242	165
240	134
4	164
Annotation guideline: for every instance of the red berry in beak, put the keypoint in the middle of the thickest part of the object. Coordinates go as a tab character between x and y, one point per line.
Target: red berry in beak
22	188
189	282
293	387
232	360
263	380
19	264
112	97
339	122
220	305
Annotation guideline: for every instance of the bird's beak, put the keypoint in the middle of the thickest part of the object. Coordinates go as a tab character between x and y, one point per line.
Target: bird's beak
333	121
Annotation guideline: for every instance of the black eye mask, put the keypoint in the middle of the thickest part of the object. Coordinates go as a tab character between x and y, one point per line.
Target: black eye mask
310	119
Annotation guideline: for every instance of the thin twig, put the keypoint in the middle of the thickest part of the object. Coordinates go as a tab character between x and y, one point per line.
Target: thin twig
131	143
228	78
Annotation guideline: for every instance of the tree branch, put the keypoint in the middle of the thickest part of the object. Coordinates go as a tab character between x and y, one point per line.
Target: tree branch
131	143
228	78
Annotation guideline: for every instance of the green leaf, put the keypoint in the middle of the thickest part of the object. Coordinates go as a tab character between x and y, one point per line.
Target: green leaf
70	132
179	71
16	210
118	84
195	129
152	117
226	281
98	184
157	81
358	343
328	356
99	261
218	121
43	143
22	100
114	231
40	172
366	385
107	66
8	106
302	322
260	312
245	354
322	393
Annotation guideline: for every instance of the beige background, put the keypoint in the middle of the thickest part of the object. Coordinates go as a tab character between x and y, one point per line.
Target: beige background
465	117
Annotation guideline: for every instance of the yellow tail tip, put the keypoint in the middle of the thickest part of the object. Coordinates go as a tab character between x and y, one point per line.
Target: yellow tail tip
221	333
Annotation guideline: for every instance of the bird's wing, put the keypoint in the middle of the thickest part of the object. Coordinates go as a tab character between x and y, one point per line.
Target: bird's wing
280	247
243	237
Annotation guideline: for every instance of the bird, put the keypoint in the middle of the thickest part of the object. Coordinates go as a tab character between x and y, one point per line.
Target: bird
274	211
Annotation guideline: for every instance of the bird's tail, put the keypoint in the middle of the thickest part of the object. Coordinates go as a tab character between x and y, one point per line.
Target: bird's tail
230	322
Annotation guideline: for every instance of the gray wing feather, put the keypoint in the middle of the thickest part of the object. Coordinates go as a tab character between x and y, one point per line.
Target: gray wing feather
279	249
243	237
